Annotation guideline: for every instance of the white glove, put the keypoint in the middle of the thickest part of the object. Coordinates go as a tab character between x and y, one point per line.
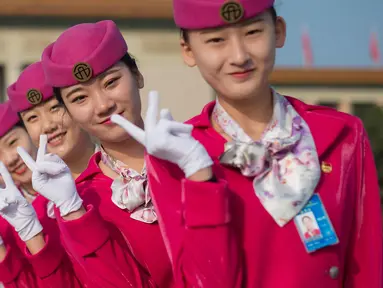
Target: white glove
168	140
52	178
16	210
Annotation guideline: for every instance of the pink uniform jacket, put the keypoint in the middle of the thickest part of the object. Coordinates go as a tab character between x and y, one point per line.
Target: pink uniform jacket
51	267
201	229
15	270
52	264
115	249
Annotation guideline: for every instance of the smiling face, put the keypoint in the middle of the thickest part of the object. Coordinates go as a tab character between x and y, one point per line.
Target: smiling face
50	118
236	60
17	136
116	91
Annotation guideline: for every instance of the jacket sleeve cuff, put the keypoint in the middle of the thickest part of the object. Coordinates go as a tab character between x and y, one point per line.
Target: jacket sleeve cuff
86	234
48	259
205	203
10	267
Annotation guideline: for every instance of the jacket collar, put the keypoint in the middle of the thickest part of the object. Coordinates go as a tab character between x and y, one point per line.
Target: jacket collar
325	125
91	170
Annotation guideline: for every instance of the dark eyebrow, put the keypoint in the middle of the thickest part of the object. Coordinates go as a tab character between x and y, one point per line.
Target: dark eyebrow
73	91
101	76
256	19
108	72
253	20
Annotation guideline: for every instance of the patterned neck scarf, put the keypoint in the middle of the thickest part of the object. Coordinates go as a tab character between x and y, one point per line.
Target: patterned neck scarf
284	163
130	190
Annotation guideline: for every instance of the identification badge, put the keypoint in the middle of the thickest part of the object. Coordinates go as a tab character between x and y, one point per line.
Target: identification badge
314	226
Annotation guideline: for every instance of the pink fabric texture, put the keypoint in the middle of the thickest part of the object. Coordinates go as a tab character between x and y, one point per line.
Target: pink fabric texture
203	14
8	118
30	89
82	52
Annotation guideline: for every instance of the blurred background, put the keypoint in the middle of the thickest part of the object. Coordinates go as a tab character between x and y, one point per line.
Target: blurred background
333	54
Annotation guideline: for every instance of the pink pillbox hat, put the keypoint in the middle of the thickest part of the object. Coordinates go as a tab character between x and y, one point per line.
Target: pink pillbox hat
8	118
30	89
82	52
203	14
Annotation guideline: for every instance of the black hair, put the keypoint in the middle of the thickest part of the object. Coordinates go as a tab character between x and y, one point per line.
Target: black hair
127	59
185	32
20	123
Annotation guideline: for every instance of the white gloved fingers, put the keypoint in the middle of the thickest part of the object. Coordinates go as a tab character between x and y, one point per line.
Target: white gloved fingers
174	127
51	168
152	111
3	203
7	178
42	148
137	133
53	158
28	160
8	200
165	114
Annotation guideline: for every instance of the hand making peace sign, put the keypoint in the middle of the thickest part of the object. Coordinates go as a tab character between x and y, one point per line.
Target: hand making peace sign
15	209
167	139
52	178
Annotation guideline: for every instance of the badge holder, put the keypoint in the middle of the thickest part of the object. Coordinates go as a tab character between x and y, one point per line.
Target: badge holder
314	226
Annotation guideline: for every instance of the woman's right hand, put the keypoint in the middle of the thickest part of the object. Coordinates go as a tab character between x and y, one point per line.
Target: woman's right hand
52	178
15	209
169	140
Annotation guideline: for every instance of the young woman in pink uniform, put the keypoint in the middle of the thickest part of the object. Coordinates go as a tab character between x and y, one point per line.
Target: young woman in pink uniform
41	113
15	270
33	99
283	159
114	234
30	254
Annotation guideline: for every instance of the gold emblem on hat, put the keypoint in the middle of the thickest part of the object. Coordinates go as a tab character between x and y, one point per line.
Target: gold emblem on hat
326	167
82	72
232	12
34	96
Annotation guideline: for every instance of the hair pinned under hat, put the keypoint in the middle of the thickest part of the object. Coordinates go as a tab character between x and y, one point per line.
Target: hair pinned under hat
30	89
8	118
197	14
82	52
